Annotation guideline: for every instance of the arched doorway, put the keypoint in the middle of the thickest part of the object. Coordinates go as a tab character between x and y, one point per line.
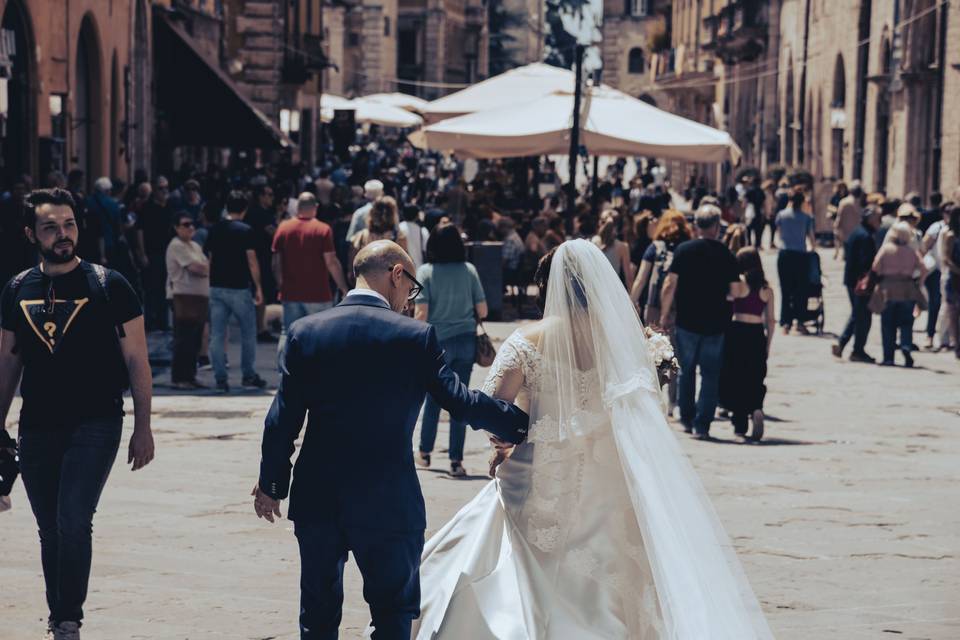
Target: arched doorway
922	95
18	142
88	115
137	127
838	117
115	148
883	118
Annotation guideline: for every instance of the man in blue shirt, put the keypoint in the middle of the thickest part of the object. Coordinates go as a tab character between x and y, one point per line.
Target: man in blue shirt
859	251
796	230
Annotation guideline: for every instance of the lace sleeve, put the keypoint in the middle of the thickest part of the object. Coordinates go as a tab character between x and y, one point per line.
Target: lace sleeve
506	375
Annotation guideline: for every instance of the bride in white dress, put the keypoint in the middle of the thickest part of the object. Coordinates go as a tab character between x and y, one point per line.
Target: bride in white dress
597	526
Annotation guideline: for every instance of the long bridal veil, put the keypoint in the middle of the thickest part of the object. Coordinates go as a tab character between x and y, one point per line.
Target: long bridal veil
590	323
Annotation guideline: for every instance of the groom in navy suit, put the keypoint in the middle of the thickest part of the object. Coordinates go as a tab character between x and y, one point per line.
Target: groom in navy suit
359	373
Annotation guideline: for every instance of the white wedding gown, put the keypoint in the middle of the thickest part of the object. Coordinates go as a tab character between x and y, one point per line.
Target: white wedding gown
596	527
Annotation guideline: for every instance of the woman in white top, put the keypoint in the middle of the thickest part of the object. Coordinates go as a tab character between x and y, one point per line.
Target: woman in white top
416	234
189	280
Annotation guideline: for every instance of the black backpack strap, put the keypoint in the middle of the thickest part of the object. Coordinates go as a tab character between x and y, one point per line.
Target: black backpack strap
15	284
97	277
17	280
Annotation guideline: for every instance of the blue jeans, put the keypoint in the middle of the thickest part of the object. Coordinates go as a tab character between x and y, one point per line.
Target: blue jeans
64	470
693	350
896	316
389	563
238	303
459	354
293	311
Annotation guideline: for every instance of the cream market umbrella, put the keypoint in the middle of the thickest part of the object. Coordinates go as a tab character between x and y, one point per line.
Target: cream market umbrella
612	123
371	112
511	87
402	100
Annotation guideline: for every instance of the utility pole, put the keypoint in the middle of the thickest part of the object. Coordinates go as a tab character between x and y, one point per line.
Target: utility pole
575	133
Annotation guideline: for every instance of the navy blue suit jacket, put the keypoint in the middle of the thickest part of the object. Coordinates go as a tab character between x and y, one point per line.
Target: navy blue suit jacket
359	372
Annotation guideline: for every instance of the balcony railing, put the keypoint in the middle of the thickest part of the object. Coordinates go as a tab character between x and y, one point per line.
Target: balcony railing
738	32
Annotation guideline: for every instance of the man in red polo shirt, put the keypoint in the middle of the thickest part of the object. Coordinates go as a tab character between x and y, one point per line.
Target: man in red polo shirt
304	260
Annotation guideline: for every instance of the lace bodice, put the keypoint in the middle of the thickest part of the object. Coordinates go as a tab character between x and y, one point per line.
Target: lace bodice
515	354
518	354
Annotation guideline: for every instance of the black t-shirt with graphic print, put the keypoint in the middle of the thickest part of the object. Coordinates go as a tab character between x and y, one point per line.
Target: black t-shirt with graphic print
67	337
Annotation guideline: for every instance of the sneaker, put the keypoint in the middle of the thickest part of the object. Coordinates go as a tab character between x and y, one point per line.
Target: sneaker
67	631
203	363
862	357
701	435
422	459
837	351
887	363
757	434
223	387
457	470
687	427
254	382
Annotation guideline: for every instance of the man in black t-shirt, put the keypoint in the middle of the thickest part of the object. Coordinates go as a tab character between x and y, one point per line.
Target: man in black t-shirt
262	219
234	271
75	332
703	277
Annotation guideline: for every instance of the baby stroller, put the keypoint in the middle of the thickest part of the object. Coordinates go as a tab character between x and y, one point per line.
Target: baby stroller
813	311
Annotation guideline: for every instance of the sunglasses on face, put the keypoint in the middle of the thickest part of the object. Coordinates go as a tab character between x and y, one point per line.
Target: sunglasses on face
188	225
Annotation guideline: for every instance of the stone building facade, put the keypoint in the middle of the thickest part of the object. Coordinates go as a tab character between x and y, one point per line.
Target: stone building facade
633	31
441	43
63	67
846	89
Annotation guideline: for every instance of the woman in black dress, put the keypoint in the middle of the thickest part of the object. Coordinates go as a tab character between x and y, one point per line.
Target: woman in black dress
745	349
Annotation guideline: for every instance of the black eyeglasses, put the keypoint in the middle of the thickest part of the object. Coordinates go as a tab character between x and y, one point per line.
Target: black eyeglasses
186	224
417	287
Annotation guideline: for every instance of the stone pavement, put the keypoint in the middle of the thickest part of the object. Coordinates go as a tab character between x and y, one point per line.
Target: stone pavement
846	518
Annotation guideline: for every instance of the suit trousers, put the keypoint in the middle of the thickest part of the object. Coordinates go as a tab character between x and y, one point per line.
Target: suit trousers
389	563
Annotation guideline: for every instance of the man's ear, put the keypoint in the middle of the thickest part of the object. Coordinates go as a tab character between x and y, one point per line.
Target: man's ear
30	235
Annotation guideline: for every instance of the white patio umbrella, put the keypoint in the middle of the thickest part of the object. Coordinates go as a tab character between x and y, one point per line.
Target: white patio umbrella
330	101
402	100
371	112
611	123
509	88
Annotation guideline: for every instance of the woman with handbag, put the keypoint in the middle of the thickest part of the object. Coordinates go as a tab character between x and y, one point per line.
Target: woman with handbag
188	272
900	271
452	300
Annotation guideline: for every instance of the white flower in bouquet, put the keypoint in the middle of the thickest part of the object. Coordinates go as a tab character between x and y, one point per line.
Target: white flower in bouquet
660	348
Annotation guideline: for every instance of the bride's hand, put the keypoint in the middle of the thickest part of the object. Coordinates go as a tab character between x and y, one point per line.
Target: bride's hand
501	452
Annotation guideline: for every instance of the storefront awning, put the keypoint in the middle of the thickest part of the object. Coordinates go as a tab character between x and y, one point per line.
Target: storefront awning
198	104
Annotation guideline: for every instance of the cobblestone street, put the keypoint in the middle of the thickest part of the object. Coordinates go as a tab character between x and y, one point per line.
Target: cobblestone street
845	517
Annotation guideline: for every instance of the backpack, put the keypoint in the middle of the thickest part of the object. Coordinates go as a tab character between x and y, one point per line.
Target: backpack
661	267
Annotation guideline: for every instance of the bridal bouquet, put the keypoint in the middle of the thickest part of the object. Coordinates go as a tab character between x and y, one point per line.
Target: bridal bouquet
661	352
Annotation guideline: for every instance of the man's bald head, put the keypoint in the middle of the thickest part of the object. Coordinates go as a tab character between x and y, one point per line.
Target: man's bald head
387	269
379	257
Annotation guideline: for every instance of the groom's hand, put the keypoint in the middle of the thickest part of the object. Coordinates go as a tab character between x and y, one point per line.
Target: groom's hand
265	506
